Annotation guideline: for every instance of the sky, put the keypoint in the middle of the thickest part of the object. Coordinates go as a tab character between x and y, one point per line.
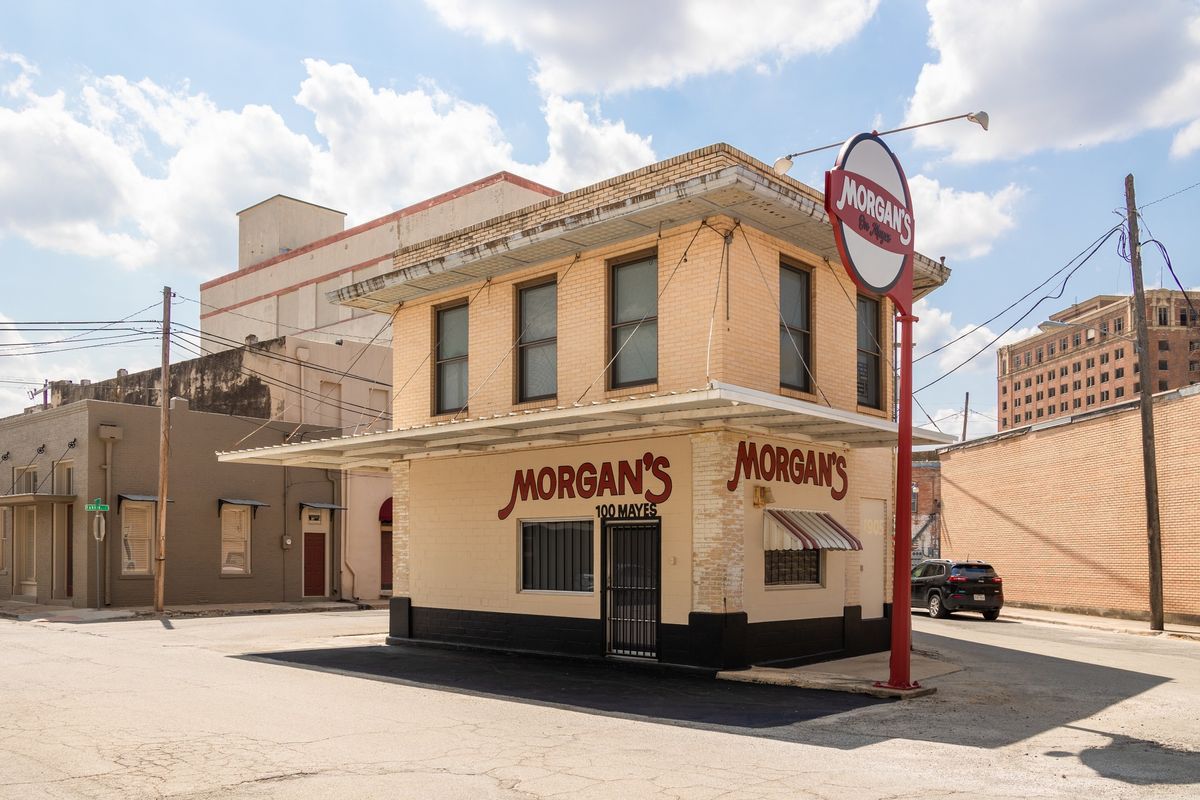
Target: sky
132	132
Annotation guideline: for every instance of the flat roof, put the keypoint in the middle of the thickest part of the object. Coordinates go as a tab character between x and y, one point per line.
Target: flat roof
714	180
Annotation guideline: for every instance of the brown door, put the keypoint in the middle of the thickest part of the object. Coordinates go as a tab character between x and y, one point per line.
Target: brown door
70	550
385	559
314	564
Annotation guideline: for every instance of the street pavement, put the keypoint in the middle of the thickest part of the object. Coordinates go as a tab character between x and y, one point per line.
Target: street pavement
313	705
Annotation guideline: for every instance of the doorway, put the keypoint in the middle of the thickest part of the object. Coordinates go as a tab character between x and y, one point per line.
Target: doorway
631	601
25	555
385	558
315	552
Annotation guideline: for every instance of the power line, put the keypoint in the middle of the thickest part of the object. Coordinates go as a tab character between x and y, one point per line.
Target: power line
196	333
1032	308
1019	300
275	323
134	340
1169	196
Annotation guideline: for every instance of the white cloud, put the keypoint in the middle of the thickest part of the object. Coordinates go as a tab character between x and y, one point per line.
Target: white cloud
1187	141
156	174
937	329
585	46
1057	75
960	224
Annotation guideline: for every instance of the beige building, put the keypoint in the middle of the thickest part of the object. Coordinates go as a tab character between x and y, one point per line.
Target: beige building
647	418
1059	508
329	365
1085	358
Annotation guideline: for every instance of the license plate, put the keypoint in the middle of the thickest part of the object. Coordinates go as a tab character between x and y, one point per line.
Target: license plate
979	597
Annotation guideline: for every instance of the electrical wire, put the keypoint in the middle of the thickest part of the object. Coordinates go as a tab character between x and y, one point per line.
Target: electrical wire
271	322
1169	196
134	340
1016	322
1019	300
233	344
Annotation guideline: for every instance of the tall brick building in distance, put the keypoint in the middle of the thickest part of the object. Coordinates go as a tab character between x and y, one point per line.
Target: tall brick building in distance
1085	358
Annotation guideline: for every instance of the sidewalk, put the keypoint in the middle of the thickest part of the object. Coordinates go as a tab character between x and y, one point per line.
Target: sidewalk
25	612
857	675
1098	623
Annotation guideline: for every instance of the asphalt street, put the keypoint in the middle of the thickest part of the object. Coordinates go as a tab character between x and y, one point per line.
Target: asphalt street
314	705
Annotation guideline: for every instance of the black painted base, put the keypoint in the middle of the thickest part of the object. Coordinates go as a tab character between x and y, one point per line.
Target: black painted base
711	641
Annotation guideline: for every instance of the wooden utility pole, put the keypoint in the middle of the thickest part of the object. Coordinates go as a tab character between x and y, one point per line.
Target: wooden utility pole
966	414
1149	459
164	449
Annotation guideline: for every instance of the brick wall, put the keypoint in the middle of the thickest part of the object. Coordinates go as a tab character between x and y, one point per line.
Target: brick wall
1060	511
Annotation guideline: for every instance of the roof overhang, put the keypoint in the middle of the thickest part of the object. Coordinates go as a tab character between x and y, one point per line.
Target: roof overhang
736	186
30	498
719	406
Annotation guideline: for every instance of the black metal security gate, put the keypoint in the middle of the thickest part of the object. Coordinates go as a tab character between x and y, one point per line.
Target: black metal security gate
632	598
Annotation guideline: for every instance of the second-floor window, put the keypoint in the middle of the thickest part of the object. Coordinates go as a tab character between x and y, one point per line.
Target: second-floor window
794	329
869	353
537	343
450	394
633	323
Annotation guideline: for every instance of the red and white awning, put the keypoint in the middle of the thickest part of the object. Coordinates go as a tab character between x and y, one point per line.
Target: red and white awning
793	529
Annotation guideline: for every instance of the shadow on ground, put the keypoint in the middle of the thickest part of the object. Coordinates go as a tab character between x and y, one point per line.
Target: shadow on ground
677	697
1002	696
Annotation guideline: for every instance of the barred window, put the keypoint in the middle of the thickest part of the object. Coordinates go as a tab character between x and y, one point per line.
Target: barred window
792	567
556	556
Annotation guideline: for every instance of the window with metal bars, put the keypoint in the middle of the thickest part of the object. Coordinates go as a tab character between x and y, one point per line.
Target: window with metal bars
792	567
556	556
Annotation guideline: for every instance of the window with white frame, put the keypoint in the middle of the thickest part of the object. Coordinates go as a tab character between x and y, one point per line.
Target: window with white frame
235	539
64	477
137	526
25	480
556	556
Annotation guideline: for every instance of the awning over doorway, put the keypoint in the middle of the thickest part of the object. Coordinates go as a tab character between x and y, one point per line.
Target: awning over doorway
138	498
714	407
254	505
793	529
320	506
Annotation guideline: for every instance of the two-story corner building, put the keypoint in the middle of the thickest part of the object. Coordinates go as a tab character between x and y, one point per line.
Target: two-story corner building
1084	358
647	418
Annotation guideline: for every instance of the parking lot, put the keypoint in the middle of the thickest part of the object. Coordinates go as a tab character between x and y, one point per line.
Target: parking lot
311	705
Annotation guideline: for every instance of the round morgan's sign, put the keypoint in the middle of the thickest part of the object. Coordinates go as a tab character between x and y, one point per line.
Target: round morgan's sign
867	197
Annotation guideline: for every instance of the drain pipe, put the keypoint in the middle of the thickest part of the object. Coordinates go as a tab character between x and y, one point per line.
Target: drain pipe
339	493
108	434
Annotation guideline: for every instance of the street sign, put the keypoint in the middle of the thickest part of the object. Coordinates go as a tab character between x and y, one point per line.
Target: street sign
96	505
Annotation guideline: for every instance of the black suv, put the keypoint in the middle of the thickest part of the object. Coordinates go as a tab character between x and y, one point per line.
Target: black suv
944	586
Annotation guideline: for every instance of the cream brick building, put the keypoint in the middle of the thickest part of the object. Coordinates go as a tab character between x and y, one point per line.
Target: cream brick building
648	418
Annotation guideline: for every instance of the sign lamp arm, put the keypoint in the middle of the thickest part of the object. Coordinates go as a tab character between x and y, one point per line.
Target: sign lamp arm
784	163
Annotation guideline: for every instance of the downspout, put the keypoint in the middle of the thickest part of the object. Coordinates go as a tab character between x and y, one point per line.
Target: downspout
336	482
104	546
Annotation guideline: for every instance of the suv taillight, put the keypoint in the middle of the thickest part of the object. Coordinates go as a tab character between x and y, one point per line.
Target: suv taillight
957	579
997	579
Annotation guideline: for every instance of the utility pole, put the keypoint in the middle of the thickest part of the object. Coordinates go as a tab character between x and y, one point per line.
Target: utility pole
1149	459
164	449
966	414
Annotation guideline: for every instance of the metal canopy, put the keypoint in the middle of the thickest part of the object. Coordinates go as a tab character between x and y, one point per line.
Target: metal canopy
138	498
31	498
715	407
717	180
254	505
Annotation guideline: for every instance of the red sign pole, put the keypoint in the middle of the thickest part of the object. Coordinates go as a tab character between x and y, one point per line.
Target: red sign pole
873	231
899	672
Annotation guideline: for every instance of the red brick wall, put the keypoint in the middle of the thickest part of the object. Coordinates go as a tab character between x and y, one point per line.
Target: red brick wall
1060	511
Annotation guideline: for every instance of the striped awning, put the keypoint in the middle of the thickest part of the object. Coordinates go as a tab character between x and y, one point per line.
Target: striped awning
793	529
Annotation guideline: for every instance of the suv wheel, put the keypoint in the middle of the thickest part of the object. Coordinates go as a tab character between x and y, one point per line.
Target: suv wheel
991	614
936	609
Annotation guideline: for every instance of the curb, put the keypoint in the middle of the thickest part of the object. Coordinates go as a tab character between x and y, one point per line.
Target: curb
1097	626
822	681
